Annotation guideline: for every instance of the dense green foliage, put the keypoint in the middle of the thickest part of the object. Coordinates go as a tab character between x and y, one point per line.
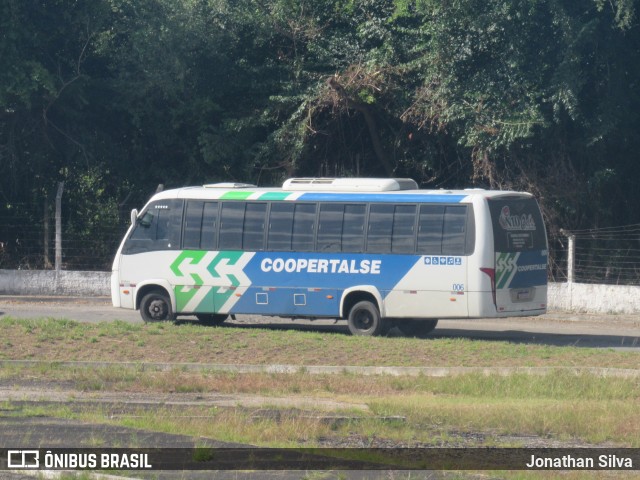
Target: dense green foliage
117	96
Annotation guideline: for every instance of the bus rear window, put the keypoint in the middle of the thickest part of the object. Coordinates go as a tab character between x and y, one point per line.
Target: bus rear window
517	224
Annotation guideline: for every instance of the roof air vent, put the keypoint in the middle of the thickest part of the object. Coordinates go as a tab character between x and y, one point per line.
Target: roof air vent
350	184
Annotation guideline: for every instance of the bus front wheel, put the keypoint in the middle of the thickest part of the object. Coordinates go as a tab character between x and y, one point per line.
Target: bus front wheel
156	307
364	319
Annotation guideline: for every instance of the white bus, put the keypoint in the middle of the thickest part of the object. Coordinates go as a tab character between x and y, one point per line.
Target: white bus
377	253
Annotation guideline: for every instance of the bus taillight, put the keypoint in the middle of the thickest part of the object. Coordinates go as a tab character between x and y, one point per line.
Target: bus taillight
491	273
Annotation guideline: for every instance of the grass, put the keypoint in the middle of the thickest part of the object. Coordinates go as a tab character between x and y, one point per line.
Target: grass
64	340
539	475
559	408
557	385
594	422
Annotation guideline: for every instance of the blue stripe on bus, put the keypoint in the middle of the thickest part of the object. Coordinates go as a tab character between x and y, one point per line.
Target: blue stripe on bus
330	270
381	197
273	287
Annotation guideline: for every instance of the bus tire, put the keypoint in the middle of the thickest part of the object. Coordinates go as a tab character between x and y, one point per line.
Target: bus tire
156	307
416	327
365	320
211	319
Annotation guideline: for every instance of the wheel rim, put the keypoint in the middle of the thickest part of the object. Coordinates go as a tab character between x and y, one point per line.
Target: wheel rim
158	309
363	320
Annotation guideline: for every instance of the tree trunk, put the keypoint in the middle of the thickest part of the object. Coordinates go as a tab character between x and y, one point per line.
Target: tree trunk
369	119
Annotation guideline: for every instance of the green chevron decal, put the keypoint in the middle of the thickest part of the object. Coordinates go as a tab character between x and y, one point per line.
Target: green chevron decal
194	256
218	268
506	267
184	294
231	259
206	281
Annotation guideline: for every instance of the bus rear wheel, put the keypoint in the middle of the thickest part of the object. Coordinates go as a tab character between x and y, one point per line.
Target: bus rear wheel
365	320
156	307
415	327
211	319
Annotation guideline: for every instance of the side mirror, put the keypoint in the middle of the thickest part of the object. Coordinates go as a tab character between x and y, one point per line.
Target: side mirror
146	220
134	216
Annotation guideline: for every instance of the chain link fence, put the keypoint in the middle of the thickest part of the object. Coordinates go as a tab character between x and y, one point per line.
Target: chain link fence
608	256
44	238
29	245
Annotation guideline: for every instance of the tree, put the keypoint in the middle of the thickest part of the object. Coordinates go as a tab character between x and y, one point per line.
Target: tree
539	93
117	96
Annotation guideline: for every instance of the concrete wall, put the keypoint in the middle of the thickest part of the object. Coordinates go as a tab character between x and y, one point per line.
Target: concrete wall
577	297
50	282
589	298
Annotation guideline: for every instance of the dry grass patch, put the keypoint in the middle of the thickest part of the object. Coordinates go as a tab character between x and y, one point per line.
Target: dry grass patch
594	422
560	405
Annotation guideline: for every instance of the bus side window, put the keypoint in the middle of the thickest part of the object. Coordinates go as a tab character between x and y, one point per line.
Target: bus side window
253	230
380	228
403	239
231	220
304	218
280	226
330	227
192	225
353	228
430	223
454	232
209	235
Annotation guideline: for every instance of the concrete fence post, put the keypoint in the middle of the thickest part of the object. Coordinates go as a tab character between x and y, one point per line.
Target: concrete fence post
58	260
47	260
571	265
571	259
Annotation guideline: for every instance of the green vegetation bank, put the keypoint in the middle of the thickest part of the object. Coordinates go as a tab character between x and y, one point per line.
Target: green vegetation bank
117	96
